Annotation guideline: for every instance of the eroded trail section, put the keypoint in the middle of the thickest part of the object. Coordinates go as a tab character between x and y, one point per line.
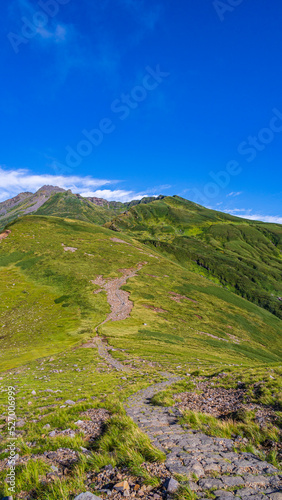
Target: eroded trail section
118	299
121	308
209	462
96	343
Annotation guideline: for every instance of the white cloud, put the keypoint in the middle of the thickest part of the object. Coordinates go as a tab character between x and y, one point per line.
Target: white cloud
235	210
233	194
115	195
247	214
58	33
13	182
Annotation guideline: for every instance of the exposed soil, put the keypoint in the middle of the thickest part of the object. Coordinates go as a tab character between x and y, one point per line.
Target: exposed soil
92	424
156	309
117	240
5	234
94	427
221	403
121	306
177	297
96	343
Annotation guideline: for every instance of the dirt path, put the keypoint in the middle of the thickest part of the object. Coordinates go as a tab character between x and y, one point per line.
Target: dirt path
209	462
118	299
96	343
121	308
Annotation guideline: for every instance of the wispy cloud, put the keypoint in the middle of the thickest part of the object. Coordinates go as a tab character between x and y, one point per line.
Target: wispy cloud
52	30
233	194
61	41
115	195
13	182
247	214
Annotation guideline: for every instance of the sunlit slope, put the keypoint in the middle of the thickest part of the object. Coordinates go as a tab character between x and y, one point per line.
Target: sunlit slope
75	206
47	302
243	255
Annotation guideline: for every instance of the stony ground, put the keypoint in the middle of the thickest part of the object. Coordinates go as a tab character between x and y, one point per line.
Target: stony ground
209	462
221	402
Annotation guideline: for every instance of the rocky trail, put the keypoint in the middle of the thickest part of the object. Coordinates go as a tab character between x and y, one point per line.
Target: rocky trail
118	299
209	462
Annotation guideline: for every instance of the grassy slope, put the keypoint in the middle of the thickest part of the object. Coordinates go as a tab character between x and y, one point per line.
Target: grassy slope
53	288
48	308
75	207
14	212
243	255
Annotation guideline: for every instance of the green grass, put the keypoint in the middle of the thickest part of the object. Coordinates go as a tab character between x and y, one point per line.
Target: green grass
246	427
48	309
165	398
122	445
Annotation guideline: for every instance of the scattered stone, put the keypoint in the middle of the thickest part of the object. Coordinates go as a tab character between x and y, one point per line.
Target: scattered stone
123	486
20	423
172	485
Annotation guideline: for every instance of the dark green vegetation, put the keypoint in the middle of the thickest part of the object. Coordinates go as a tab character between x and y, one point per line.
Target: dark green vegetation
243	255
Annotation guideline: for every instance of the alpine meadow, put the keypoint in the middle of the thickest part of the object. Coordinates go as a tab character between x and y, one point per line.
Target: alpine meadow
102	302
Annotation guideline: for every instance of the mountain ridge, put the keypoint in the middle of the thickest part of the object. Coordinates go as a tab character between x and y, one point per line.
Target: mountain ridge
242	255
26	203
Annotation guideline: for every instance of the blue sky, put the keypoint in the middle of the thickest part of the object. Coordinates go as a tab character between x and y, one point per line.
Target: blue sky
127	98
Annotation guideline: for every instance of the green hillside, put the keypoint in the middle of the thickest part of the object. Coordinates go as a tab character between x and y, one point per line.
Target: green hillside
75	206
88	317
242	255
47	300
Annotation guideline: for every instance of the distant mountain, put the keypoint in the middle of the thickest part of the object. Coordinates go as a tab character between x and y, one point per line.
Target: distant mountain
72	206
25	203
243	255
